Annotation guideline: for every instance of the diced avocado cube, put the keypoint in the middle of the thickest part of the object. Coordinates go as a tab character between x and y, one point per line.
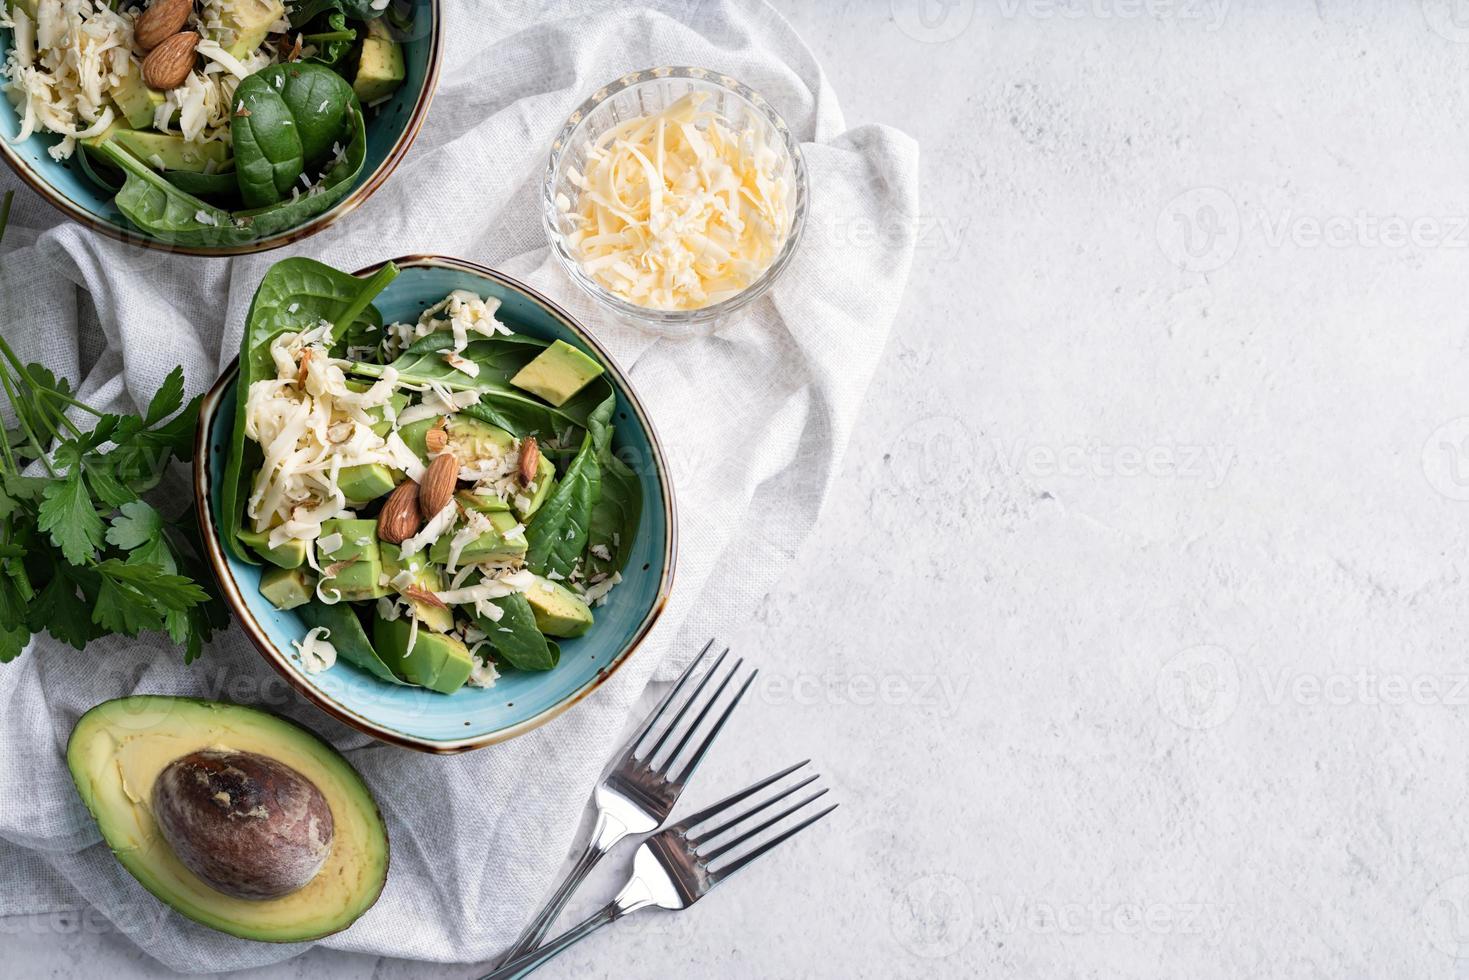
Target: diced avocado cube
365	481
244	24
362	579
490	546
558	610
173	151
289	554
469	438
437	661
557	373
526	504
380	68
426	577
481	503
133	99
287	588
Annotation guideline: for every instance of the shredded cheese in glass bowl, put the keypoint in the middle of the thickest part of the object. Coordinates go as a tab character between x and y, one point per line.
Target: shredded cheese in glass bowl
675	196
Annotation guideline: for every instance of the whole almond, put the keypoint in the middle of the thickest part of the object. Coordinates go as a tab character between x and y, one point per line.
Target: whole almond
161	21
437	437
169	64
530	458
398	520
439	481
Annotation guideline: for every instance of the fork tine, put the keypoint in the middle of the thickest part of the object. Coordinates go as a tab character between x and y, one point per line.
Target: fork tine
657	712
703	682
698	755
714	809
784	836
667	766
732	821
728	846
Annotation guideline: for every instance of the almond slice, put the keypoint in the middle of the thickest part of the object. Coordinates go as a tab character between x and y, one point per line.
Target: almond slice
398	520
424	595
301	371
439	481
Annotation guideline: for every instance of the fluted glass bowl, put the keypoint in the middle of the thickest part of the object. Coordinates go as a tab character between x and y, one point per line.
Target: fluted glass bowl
643	93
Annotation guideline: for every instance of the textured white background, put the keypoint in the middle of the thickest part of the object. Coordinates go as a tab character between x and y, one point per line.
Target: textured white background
1133	637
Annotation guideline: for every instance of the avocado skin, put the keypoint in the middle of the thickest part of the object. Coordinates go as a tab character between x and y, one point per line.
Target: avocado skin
291	741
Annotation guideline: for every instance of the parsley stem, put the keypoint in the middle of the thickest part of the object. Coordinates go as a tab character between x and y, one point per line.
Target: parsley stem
25	425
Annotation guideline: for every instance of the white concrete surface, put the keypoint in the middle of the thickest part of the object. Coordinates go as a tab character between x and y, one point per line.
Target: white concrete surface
1133	639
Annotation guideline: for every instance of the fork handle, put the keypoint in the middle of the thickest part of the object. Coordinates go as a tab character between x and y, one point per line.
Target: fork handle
608	831
525	963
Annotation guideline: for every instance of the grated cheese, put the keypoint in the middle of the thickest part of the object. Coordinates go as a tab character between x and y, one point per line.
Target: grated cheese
315	652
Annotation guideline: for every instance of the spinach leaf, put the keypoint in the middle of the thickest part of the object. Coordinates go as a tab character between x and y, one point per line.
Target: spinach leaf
295	294
559	533
515	636
287	119
331	37
356	9
334	184
348	637
220	186
615	517
105	177
158	207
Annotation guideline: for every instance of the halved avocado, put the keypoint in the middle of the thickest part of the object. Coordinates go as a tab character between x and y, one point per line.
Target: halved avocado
119	749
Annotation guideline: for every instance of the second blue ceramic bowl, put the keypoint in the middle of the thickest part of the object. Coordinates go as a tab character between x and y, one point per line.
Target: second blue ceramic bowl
520	700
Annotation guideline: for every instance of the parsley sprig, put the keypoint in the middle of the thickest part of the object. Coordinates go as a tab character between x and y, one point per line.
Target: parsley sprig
82	554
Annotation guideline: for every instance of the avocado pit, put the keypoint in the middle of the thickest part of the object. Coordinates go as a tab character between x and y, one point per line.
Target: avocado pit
249	826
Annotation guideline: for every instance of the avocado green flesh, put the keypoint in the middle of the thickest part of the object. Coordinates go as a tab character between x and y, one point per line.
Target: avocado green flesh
175	152
362	579
380	69
290	554
117	751
426	577
545	479
287	588
490	546
558	610
244	24
557	373
365	481
438	662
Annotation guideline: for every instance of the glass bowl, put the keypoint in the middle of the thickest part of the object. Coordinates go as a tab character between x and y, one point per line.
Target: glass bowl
643	93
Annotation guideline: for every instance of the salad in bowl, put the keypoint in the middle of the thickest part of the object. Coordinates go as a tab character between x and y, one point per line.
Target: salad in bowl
437	500
209	124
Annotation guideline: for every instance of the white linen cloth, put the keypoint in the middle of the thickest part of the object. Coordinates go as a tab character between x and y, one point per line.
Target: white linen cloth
754	419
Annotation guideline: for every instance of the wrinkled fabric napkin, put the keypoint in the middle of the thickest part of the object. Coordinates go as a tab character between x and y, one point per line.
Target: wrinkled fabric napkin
754	417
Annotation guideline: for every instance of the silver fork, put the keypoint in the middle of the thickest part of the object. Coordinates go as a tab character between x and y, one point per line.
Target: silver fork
672	869
635	797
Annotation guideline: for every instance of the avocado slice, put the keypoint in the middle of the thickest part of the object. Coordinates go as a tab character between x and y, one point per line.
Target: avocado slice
469	438
289	554
558	610
365	481
119	748
174	152
346	635
491	546
557	373
426	577
287	588
481	503
544	481
135	100
363	578
437	661
244	24
380	66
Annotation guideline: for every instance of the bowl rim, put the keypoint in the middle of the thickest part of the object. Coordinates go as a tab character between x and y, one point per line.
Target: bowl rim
277	659
648	316
321	222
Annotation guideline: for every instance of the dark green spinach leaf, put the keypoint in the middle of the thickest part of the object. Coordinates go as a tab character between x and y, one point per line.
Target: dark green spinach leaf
560	531
158	207
334	185
515	636
287	119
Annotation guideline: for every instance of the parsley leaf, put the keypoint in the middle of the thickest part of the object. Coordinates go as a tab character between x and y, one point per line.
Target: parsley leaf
67	512
135	524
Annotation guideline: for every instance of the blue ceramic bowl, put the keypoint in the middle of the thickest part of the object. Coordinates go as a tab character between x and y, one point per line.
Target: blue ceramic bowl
520	700
391	128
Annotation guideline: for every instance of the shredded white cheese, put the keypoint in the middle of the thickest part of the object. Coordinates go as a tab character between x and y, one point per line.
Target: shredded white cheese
315	652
